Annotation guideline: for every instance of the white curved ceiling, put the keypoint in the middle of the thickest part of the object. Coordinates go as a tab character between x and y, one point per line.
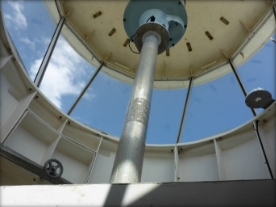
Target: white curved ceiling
203	16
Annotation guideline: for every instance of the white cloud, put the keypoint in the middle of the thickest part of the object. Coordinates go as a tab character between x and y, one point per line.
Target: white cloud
89	94
64	74
8	20
27	41
17	19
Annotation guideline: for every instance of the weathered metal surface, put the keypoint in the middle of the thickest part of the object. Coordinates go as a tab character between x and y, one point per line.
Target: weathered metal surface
28	164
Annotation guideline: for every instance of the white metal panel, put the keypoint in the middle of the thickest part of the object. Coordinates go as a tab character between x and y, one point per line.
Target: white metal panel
73	170
4	59
176	164
81	135
75	160
25	143
257	41
267	130
14	117
104	163
198	163
7	102
49	151
242	156
158	167
221	167
47	112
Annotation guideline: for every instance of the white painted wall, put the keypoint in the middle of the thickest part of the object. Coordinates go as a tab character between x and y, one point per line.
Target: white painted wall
198	163
158	166
82	135
104	163
23	142
7	102
41	135
74	171
75	160
242	157
267	130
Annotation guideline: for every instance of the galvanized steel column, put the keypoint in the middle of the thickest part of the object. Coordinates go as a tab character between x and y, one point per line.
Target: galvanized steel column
130	154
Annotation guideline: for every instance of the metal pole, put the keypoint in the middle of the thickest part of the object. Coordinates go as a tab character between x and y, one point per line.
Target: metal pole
274	8
256	127
180	132
130	153
85	88
254	113
240	82
48	54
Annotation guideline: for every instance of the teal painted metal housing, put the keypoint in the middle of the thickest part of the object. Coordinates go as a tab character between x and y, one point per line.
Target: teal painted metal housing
171	14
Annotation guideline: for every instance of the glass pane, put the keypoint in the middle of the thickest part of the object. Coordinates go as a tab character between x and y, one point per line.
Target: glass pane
66	75
31	29
165	116
104	104
259	71
214	107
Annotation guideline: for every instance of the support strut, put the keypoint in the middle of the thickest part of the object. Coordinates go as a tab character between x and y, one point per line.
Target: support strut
130	153
153	24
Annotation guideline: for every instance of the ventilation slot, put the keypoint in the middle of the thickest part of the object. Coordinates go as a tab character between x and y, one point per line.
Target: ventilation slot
99	13
168	52
126	42
225	21
209	35
112	32
189	46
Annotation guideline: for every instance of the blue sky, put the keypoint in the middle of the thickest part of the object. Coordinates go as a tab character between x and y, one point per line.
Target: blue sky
214	107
